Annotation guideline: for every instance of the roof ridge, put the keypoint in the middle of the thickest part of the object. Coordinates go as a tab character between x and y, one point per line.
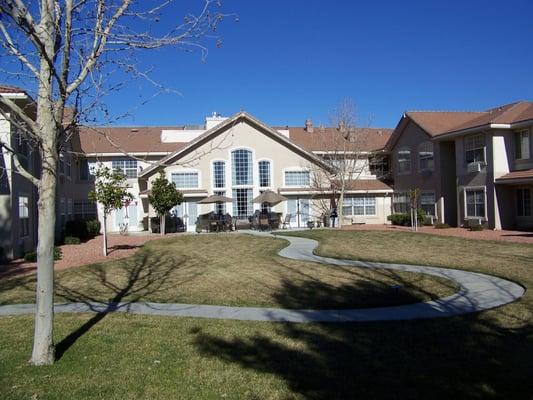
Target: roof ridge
445	111
512	107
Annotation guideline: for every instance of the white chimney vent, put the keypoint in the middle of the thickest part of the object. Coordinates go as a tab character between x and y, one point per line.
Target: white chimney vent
309	125
214	120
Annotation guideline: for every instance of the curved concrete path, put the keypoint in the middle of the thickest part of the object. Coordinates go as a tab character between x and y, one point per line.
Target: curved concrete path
477	292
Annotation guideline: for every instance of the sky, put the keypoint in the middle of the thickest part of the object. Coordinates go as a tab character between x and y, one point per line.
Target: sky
286	61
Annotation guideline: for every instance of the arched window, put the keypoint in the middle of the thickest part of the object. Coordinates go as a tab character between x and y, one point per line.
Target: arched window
242	167
219	174
425	156
404	160
264	173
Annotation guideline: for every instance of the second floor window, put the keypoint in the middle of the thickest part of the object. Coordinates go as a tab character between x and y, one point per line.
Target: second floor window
185	180
264	173
219	174
127	167
425	157
474	149
522	144
297	178
404	161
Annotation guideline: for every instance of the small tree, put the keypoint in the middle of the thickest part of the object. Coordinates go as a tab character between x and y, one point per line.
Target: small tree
111	191
414	196
163	197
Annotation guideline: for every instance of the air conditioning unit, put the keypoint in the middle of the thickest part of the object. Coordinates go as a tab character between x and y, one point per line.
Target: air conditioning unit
474	167
474	221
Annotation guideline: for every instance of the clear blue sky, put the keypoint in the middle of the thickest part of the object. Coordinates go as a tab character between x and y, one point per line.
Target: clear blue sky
285	61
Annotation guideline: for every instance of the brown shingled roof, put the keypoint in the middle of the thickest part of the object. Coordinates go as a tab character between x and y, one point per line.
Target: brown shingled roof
326	139
145	139
525	174
437	123
11	89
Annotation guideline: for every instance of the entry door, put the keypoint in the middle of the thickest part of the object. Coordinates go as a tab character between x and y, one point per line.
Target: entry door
130	214
188	212
299	210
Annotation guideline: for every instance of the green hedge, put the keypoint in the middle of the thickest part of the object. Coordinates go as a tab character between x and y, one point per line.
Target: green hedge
83	229
72	240
404	219
32	255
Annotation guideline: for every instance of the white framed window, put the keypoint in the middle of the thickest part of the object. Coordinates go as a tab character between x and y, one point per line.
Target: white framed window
522	144
242	167
474	149
404	160
185	180
242	202
359	205
297	178
475	202
425	157
219	174
24	216
523	202
400	202
127	166
264	173
427	203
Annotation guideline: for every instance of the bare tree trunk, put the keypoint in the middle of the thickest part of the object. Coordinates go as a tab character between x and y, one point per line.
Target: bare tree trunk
162	224
43	345
105	235
340	204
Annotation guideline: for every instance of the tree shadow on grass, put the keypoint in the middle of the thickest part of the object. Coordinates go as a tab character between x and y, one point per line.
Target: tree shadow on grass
141	276
486	355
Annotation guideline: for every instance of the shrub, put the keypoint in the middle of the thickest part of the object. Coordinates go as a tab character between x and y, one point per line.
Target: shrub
399	219
32	255
93	227
72	240
83	229
476	228
442	226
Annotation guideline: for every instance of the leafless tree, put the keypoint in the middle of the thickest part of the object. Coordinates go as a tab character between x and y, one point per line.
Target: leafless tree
344	159
69	54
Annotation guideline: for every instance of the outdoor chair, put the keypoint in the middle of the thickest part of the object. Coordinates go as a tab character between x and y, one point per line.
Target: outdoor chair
287	221
264	223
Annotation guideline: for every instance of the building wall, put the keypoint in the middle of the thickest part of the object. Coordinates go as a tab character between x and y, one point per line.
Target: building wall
426	181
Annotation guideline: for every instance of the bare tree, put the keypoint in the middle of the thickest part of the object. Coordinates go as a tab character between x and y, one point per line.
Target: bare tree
344	159
70	53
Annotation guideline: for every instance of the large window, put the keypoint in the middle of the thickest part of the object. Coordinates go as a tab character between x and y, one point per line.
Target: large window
404	161
24	216
474	149
242	167
427	203
523	202
185	180
475	203
359	205
84	209
522	144
425	156
297	178
242	202
264	173
84	172
400	202
127	167
219	174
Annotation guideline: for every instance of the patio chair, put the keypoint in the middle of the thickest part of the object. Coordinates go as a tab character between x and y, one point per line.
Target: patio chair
287	221
263	223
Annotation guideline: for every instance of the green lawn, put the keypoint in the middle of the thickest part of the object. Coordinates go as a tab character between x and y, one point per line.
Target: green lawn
233	270
481	356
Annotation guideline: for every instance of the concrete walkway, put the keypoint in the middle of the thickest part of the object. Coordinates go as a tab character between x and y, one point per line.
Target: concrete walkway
477	292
